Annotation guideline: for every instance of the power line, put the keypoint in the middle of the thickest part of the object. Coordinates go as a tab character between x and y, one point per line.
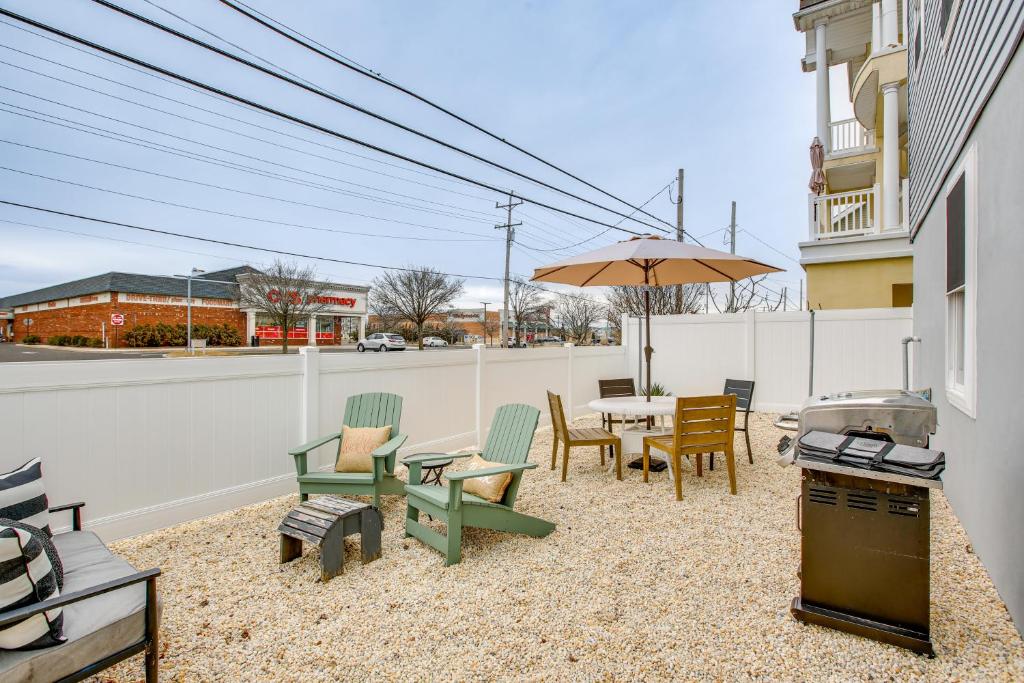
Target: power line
653	197
376	77
239	216
296	119
240	245
233	103
233	165
352	105
229	189
209	125
780	253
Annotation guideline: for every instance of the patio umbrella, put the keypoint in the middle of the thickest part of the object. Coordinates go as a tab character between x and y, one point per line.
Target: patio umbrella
817	182
650	261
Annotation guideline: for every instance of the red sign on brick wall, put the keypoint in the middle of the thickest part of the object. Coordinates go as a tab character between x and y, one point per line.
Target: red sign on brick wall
116	319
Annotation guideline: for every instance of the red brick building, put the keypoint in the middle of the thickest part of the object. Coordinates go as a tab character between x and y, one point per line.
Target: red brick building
85	307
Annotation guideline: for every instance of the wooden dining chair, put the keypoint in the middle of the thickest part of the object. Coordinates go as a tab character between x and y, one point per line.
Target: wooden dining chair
571	438
701	424
614	388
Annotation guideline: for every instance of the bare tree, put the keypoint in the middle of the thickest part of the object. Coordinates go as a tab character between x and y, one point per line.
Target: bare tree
286	292
664	301
524	303
491	328
747	297
577	314
414	294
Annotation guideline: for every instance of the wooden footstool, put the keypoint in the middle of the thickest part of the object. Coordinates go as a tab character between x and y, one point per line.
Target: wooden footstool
325	522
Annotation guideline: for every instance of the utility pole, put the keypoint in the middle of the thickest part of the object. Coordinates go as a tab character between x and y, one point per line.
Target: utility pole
785	299
680	233
510	233
801	294
732	250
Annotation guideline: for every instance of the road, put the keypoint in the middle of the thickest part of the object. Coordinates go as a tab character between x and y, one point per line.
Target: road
13	353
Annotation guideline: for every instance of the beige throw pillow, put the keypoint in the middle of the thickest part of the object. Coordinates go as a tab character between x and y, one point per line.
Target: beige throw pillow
357	443
490	488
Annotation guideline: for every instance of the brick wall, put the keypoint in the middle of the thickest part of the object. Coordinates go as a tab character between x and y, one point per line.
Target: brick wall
87	320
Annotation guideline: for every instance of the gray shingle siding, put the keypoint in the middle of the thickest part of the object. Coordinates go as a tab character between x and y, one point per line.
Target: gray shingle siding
126	282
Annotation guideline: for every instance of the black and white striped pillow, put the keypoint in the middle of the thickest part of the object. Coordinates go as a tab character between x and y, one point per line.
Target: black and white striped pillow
23	497
27	577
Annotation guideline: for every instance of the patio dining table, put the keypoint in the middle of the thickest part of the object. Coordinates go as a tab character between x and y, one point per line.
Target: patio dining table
638	408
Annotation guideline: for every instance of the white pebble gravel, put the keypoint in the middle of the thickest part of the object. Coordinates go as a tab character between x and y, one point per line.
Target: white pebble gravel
631	586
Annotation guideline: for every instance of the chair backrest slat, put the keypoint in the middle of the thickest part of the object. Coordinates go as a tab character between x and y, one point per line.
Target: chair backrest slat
511	434
374	410
613	388
704	423
743	389
558	424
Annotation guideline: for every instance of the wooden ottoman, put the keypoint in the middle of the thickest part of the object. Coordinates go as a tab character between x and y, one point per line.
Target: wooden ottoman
325	522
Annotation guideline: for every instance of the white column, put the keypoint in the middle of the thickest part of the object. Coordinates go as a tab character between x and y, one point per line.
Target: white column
876	27
362	327
890	24
821	72
890	156
311	331
250	326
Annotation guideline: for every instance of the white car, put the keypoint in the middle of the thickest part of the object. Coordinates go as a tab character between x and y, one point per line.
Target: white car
434	341
381	341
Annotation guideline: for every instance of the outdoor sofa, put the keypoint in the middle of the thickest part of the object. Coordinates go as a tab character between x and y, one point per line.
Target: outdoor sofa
110	613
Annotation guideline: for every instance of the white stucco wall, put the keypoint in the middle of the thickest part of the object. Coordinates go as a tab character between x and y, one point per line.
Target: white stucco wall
985	455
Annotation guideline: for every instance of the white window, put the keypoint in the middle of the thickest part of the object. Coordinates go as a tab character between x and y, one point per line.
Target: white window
961	279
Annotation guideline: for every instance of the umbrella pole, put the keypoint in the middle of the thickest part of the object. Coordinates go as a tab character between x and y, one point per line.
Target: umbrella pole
647	338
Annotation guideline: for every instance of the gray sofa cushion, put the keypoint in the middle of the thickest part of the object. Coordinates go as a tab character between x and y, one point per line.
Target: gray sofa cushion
96	627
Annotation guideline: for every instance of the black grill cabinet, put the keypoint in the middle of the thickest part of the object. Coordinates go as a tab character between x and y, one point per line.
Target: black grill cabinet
865	548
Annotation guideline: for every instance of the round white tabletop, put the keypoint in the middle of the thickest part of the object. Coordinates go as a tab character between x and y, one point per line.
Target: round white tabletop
634	405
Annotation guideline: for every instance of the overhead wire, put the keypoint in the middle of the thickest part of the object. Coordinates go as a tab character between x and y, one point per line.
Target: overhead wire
204	93
286	116
326	94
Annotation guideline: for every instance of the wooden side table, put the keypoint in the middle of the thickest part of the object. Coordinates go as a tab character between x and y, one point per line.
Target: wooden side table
325	522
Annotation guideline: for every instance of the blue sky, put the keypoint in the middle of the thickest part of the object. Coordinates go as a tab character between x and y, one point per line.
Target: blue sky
620	93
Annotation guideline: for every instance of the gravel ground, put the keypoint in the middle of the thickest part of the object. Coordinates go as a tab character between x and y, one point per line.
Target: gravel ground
632	585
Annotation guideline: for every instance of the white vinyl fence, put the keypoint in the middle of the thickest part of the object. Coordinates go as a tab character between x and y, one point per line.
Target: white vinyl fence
853	349
151	442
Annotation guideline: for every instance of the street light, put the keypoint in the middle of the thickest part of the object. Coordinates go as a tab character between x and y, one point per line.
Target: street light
188	305
485	303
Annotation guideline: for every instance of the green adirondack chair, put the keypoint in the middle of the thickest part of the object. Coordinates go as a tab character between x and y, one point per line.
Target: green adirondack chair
362	410
509	443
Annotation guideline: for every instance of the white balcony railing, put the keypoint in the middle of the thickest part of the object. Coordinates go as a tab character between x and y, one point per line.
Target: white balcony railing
848	136
843	214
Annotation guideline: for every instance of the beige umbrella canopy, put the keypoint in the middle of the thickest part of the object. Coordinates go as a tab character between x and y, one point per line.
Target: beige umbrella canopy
817	181
651	261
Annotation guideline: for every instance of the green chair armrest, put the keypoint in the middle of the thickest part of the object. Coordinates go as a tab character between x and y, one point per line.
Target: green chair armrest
488	471
409	459
390	447
307	447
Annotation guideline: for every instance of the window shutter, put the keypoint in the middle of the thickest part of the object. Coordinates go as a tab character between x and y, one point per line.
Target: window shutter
955	222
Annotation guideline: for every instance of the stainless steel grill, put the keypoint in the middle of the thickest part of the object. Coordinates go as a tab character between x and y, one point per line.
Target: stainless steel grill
889	414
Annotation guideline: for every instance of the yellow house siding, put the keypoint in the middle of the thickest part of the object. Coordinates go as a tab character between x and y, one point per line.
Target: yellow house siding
860	284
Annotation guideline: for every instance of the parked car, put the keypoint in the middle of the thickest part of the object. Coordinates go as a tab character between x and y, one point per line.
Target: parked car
434	341
513	345
382	341
548	340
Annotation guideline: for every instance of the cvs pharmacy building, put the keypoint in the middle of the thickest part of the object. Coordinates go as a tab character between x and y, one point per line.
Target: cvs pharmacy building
89	306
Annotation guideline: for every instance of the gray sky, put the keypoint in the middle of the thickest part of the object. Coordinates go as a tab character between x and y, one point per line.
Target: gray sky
620	93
